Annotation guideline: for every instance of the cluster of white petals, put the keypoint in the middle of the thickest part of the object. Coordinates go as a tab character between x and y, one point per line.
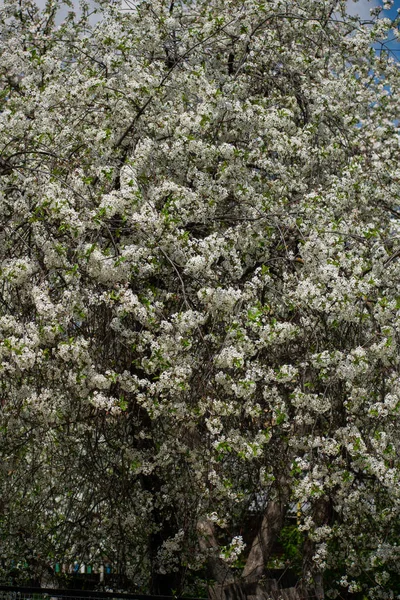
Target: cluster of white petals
199	291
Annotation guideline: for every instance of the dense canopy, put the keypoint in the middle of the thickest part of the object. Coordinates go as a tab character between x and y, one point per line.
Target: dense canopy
199	295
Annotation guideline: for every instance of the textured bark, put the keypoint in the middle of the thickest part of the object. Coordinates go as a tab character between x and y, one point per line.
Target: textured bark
252	585
263	542
218	569
321	517
241	590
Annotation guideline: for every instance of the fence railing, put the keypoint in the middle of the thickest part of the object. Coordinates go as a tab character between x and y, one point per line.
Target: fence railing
35	593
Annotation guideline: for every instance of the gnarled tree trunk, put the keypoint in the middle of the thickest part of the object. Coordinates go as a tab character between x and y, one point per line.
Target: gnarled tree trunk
252	584
241	590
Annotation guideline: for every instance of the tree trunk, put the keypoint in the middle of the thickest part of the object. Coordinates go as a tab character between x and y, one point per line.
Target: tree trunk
310	573
253	585
218	569
241	590
263	542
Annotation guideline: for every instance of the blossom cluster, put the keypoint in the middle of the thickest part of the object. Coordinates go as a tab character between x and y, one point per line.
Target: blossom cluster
199	275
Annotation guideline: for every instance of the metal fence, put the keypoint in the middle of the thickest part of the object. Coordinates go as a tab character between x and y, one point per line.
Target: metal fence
34	593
